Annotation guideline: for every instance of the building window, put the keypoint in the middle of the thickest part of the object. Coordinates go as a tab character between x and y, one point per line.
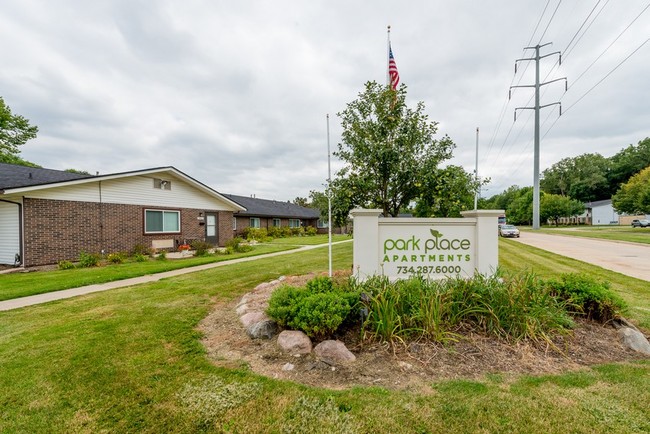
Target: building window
234	223
294	223
277	223
161	221
255	222
321	223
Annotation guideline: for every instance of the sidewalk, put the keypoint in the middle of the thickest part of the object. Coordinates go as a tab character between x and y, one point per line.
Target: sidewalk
17	303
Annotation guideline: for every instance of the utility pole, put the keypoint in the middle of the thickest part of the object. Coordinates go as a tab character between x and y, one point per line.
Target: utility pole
537	107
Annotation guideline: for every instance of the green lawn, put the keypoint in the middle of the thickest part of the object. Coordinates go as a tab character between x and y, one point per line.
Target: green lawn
130	360
16	285
24	284
614	233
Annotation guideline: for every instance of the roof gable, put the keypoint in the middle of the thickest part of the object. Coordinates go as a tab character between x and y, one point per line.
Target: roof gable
273	208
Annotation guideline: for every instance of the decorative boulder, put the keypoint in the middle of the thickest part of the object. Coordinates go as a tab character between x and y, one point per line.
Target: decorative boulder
265	329
334	353
251	318
294	342
635	340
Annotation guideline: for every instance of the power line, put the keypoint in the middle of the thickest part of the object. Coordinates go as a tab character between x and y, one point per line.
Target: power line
549	21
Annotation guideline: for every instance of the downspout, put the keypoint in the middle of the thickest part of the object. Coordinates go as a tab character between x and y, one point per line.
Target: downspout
101	219
19	260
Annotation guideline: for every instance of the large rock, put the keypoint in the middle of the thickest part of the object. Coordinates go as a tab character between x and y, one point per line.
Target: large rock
294	342
265	329
334	353
251	318
634	339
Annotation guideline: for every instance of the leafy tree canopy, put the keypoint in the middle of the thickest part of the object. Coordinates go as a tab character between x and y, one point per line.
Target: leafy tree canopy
629	162
446	192
15	131
554	206
583	178
634	196
386	147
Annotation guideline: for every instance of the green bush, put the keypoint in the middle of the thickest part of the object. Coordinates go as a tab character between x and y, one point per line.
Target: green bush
314	309
286	232
162	255
141	249
65	265
87	260
139	257
115	258
201	248
236	245
588	296
311	231
274	232
297	232
319	285
255	234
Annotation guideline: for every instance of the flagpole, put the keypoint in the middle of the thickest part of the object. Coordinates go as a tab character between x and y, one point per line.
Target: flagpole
329	199
388	58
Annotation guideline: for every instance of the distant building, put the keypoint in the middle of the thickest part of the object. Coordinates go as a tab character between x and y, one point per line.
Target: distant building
601	212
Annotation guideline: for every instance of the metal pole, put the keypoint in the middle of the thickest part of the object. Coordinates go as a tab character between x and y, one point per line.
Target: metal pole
476	174
388	58
329	199
536	156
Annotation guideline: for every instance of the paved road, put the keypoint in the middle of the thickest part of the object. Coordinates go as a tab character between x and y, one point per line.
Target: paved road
73	292
630	259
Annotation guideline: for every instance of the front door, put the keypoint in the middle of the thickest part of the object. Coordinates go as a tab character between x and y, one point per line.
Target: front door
211	229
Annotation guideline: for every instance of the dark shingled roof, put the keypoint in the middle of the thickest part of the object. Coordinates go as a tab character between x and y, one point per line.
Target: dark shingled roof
15	176
272	208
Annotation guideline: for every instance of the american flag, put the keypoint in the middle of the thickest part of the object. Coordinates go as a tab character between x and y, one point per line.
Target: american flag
392	69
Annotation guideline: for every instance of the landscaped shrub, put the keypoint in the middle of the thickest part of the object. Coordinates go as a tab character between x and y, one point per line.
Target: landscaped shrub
87	260
236	245
140	249
297	232
65	265
162	255
255	234
115	258
314	309
588	297
311	231
274	232
201	248
139	257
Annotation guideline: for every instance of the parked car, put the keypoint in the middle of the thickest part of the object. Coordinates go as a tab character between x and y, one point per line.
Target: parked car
509	231
640	223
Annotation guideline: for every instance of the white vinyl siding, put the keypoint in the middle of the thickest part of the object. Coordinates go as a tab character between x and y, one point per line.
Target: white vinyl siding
162	221
135	190
9	232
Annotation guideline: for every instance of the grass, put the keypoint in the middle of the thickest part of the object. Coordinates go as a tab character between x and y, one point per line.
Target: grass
130	360
612	233
16	285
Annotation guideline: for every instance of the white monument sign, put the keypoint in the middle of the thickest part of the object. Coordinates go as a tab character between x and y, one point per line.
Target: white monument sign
430	247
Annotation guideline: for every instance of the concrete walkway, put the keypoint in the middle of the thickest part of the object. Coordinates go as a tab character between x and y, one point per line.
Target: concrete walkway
73	292
631	259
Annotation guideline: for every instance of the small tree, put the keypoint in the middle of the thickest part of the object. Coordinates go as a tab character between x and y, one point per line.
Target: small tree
386	146
634	196
554	206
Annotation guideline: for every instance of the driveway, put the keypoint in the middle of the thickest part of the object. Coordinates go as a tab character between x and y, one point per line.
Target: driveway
630	259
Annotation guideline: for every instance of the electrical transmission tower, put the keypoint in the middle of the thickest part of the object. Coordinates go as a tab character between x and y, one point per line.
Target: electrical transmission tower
537	107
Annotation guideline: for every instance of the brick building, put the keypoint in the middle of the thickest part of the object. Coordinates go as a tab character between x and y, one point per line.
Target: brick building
49	215
265	213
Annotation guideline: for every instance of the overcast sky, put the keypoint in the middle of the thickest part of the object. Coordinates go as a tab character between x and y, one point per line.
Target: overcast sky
235	93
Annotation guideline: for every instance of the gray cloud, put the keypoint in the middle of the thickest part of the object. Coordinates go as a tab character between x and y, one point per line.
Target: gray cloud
235	93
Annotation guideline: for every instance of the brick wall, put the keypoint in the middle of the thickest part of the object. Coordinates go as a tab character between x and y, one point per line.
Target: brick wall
58	230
